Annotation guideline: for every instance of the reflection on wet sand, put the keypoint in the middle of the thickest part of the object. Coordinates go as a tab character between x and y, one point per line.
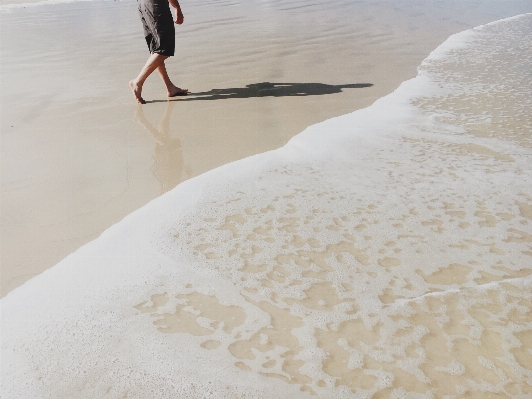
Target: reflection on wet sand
169	166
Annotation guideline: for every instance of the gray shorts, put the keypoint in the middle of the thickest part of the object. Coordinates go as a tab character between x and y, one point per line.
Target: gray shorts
158	25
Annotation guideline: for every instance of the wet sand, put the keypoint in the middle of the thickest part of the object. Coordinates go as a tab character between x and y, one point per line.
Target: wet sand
77	153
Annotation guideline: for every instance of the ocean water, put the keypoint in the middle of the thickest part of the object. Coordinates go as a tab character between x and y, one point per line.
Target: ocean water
386	253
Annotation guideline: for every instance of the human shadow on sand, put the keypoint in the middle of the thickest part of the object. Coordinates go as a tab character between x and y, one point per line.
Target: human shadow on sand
268	89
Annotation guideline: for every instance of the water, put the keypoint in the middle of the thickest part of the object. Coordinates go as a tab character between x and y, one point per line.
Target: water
402	268
75	162
384	253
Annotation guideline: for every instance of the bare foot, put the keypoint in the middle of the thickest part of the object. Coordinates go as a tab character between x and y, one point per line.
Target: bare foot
137	90
176	91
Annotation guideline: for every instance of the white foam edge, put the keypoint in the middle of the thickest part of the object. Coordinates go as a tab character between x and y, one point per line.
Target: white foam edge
14	6
463	39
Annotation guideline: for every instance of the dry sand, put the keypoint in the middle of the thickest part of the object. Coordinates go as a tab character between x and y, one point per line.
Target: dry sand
77	153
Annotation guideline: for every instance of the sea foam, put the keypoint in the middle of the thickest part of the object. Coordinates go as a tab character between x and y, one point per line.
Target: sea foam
384	253
14	6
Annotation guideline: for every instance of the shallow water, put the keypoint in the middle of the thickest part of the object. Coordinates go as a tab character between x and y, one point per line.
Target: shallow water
404	270
384	253
74	162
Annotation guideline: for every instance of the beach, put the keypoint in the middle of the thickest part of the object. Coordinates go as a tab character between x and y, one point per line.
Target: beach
299	248
74	160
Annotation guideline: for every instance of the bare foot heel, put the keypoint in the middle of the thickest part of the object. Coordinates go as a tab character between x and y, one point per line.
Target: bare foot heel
177	92
137	90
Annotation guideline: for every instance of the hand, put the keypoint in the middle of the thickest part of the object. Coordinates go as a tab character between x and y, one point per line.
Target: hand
179	18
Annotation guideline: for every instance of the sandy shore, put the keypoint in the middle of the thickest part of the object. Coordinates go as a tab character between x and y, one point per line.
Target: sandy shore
384	253
77	153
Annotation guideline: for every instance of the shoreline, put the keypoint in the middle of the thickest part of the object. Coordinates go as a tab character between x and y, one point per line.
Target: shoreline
7	5
202	134
296	251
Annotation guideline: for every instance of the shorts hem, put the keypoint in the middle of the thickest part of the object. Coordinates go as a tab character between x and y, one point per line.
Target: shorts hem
162	52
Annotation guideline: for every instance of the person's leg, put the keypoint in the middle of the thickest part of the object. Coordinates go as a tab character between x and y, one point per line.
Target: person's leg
154	61
173	90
